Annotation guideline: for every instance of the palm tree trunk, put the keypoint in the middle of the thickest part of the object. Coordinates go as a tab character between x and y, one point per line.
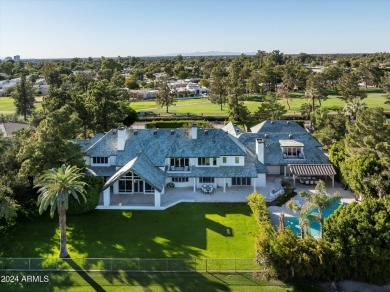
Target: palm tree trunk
63	250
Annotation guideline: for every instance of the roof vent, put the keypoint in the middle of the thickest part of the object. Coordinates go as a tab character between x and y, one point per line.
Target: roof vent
206	132
272	122
290	136
172	132
155	132
266	136
288	122
114	131
135	132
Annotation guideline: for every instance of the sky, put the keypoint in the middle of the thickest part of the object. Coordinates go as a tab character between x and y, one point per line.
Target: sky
110	28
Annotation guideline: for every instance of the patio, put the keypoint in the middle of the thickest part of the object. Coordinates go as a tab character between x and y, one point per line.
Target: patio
173	196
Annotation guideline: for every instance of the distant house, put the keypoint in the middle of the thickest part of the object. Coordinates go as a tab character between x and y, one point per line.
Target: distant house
9	128
42	89
143	93
143	164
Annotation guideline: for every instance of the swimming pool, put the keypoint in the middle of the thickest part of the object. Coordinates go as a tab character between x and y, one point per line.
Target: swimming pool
314	229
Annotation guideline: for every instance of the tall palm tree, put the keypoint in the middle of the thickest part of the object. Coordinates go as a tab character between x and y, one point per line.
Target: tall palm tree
55	186
321	200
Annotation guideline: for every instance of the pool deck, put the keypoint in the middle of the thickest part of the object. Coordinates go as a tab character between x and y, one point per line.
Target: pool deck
346	197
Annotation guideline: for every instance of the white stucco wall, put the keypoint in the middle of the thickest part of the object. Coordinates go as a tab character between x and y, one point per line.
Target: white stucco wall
261	180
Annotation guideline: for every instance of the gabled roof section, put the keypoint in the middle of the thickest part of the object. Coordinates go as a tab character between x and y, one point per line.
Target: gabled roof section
8	128
102	145
232	129
278	126
276	133
143	167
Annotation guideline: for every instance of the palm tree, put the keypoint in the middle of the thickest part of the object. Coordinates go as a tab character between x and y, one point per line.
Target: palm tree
56	185
353	107
321	200
304	215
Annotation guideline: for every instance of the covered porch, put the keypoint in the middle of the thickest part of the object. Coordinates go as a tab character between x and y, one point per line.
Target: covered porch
311	173
173	196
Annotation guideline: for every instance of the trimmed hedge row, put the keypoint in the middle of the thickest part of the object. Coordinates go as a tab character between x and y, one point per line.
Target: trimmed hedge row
95	184
176	124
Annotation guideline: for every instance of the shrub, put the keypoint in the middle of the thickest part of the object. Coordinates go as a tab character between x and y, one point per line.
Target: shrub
95	184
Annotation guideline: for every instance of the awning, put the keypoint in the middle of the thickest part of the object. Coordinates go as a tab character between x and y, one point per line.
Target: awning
312	169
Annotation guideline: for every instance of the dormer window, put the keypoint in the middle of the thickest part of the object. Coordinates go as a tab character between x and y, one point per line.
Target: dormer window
100	160
292	149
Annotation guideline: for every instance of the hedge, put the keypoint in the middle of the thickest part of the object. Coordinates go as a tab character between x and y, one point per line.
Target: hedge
176	124
95	184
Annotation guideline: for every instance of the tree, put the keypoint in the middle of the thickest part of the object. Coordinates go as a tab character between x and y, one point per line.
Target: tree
348	87
55	186
131	83
380	182
315	89
284	93
106	104
8	206
24	97
236	109
321	200
359	234
270	109
304	215
386	86
218	86
50	144
353	107
164	95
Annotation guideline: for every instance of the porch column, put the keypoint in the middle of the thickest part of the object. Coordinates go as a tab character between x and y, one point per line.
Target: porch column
157	199
224	185
106	197
254	185
332	181
194	184
285	171
294	179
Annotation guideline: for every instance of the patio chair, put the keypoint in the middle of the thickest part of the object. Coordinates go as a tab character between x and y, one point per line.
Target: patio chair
307	182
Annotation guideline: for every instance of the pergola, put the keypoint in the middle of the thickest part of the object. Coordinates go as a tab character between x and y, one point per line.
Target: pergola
302	170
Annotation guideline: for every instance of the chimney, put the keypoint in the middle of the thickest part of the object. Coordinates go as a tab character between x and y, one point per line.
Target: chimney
260	150
194	131
122	137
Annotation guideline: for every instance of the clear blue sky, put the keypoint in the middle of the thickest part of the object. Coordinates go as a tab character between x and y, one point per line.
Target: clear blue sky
82	28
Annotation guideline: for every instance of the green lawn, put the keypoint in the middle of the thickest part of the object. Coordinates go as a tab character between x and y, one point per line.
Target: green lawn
199	106
189	230
374	98
7	104
96	281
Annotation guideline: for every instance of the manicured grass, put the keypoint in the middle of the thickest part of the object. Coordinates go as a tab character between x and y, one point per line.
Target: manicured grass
190	230
7	104
374	98
95	281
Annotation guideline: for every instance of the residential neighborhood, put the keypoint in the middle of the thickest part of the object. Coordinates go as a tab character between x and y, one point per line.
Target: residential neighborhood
194	146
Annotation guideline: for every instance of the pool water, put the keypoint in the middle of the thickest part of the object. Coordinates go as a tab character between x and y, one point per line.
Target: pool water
314	229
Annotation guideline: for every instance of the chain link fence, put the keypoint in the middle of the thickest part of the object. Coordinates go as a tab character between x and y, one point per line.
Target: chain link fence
130	265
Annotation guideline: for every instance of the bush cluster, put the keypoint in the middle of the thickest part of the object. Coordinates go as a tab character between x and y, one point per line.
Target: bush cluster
93	189
356	244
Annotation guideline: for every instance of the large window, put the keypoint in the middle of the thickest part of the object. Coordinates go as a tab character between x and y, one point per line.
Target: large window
224	160
179	164
292	152
206	180
180	179
237	159
100	160
241	181
132	183
207	161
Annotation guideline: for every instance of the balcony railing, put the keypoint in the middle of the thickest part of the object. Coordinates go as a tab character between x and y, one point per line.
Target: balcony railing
172	168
